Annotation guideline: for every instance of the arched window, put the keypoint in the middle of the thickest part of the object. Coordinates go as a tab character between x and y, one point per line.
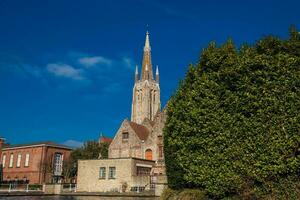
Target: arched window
148	154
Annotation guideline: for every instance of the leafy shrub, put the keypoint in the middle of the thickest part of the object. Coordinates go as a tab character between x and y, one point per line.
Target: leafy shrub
192	194
233	124
169	194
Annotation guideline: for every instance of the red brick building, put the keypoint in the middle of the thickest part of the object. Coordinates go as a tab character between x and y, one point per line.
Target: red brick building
34	163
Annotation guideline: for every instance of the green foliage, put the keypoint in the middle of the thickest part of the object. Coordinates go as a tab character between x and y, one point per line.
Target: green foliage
186	194
233	125
169	194
192	194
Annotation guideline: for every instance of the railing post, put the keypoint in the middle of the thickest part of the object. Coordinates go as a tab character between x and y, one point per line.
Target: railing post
9	188
75	189
27	187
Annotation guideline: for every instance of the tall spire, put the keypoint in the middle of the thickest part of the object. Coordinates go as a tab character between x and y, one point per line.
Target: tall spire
147	73
136	73
157	74
147	43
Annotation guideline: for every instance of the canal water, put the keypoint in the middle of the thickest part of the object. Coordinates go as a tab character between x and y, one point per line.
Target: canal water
73	198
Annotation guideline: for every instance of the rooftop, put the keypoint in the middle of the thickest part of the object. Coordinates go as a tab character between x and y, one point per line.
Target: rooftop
35	144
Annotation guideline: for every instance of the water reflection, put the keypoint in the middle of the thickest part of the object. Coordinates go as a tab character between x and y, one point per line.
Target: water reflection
74	198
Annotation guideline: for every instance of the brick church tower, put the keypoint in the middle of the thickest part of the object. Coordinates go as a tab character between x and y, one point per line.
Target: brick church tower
146	91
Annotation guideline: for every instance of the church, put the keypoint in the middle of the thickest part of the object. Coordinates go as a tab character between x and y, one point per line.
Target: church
135	156
142	136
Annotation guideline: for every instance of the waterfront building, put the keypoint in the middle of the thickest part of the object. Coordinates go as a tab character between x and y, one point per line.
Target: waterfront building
34	163
137	147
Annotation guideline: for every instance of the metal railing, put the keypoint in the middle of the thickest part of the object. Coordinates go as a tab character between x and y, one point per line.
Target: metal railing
69	187
14	187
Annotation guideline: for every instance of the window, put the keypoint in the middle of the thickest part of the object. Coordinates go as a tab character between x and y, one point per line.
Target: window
26	160
19	160
148	154
142	171
3	160
58	162
112	173
58	159
159	138
125	135
160	151
102	173
11	160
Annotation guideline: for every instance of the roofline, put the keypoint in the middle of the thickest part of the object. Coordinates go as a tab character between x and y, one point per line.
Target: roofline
36	145
133	158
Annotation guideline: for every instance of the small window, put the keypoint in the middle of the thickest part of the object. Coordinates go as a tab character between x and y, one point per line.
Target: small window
3	160
143	171
102	173
11	160
159	138
160	151
125	135
112	173
19	160
27	157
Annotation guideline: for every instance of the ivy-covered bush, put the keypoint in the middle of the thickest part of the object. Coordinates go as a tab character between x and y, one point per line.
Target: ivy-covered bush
233	125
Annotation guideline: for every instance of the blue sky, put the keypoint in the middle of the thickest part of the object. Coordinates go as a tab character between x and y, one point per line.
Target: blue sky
67	67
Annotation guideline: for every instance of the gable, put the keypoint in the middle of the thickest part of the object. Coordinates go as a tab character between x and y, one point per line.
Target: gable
136	134
141	131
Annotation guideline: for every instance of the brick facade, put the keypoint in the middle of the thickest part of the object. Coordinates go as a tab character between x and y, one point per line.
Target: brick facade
31	163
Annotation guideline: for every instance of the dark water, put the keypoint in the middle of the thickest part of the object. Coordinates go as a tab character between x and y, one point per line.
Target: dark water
73	198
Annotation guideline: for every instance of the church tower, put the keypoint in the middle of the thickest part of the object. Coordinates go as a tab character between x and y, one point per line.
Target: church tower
146	91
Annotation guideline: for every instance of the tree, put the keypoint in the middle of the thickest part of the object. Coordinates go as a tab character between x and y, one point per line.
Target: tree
233	124
90	150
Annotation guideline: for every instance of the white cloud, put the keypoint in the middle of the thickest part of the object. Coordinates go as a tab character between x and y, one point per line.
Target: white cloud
66	71
73	143
91	61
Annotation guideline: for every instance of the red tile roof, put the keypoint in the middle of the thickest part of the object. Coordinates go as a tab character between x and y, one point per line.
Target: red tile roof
141	131
105	140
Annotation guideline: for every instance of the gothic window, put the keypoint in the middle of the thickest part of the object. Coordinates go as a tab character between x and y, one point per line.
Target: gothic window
125	135
58	162
112	173
102	173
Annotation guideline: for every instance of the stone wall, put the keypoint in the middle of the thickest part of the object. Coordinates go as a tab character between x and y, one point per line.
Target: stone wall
88	175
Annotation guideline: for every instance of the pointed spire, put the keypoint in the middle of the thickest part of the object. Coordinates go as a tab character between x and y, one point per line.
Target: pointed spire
136	73
136	69
147	73
147	43
157	74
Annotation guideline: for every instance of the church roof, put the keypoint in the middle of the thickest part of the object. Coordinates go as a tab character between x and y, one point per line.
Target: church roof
141	131
104	139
